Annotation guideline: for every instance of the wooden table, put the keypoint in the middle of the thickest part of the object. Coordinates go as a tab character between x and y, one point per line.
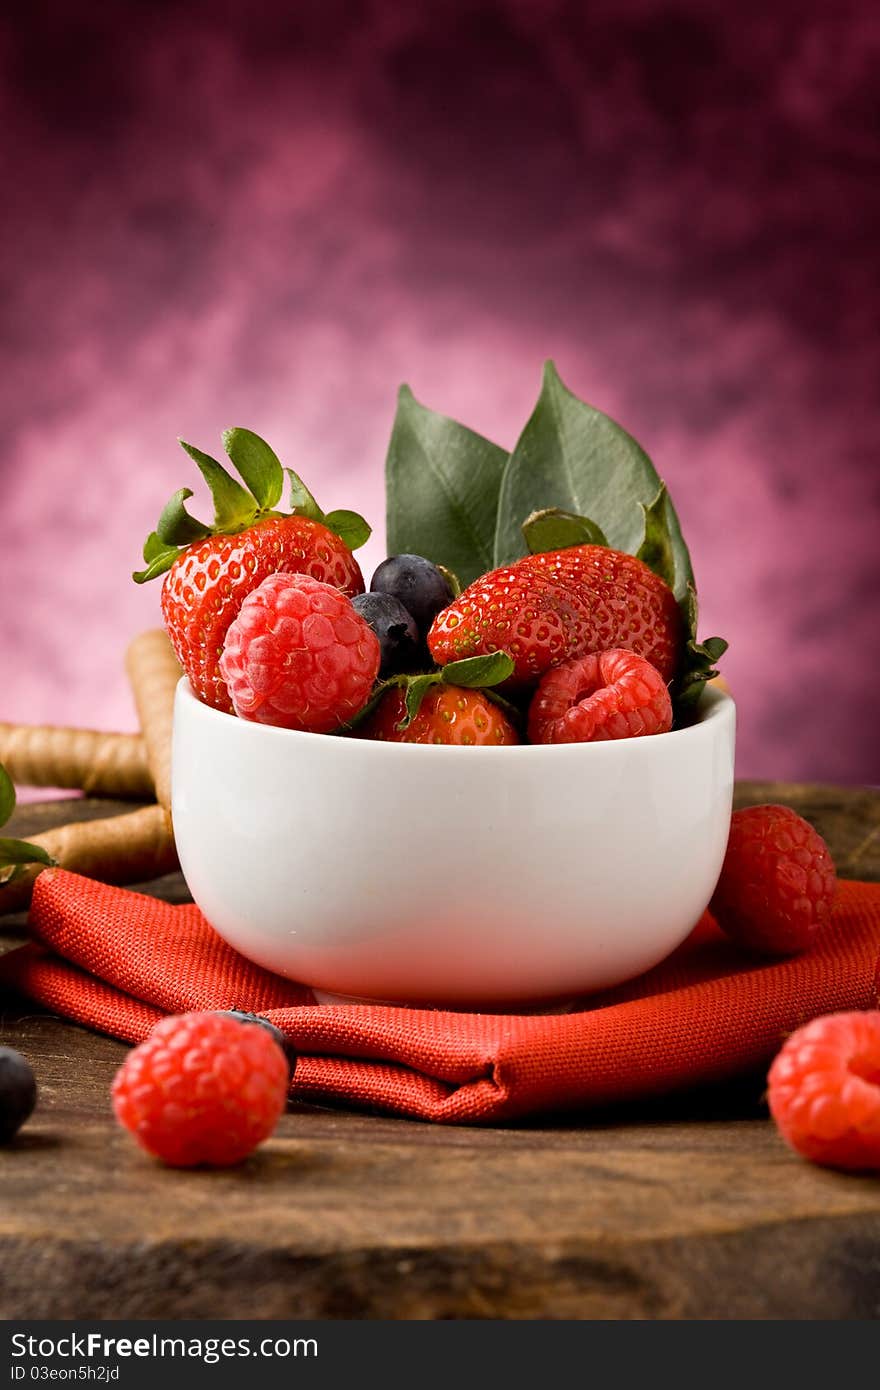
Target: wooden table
692	1208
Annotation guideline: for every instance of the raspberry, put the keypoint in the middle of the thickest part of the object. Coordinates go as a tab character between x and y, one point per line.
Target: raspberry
299	656
824	1090
613	694
777	883
203	1088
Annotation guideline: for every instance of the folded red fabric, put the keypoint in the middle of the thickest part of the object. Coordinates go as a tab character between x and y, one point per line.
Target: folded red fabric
117	961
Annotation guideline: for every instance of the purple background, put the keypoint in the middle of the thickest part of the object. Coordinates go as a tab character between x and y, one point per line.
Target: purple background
214	216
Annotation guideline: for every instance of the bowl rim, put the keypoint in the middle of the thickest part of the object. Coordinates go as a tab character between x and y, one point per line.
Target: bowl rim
716	706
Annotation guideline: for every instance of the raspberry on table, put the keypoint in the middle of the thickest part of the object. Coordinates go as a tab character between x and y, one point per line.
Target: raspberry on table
257	1020
203	1088
824	1090
299	656
606	695
777	884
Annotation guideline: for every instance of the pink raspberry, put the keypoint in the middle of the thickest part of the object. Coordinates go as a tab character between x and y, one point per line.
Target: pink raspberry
777	883
203	1088
299	656
824	1090
606	695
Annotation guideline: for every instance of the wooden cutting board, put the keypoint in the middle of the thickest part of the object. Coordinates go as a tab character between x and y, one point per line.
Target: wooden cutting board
690	1208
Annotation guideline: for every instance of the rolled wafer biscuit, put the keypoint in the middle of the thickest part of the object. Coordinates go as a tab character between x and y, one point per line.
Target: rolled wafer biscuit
153	671
100	764
131	848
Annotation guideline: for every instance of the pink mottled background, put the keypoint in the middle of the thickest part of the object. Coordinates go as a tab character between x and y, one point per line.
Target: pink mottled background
218	214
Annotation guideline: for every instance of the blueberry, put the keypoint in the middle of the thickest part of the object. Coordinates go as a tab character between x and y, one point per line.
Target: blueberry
394	626
18	1092
286	1047
415	583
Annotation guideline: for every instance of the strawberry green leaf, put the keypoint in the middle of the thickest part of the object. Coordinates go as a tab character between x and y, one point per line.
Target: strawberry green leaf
158	557
478	672
442	483
553	529
175	526
656	550
416	689
7	795
349	527
573	458
20	852
257	463
234	507
301	500
698	665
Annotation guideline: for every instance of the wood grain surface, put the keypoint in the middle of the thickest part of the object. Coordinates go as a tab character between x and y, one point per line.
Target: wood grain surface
689	1208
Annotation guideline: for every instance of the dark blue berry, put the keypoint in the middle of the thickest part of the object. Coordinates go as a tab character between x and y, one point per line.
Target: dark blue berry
415	583
286	1047
395	628
18	1093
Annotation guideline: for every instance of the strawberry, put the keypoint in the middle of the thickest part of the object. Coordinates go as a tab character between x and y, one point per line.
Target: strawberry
445	706
210	570
552	606
447	714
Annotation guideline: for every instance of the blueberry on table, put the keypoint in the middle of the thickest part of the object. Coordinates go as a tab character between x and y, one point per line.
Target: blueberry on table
18	1093
395	628
417	584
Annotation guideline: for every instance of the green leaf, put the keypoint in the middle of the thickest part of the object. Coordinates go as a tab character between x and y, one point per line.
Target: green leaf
257	463
301	500
698	665
656	550
158	556
7	795
572	457
415	691
20	852
553	529
442	484
349	527
234	507
478	672
175	526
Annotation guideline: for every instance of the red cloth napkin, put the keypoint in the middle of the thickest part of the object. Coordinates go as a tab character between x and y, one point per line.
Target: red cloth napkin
117	961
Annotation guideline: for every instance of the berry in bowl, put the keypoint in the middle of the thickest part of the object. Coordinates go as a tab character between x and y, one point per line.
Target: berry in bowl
511	792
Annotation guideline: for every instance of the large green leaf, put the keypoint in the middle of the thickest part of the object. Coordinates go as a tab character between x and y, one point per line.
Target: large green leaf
7	795
442	485
572	457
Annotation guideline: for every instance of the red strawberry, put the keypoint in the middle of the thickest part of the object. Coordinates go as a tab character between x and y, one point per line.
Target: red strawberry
447	714
205	588
547	608
211	570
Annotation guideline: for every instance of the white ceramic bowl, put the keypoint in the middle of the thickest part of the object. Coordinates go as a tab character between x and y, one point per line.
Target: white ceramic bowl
450	875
